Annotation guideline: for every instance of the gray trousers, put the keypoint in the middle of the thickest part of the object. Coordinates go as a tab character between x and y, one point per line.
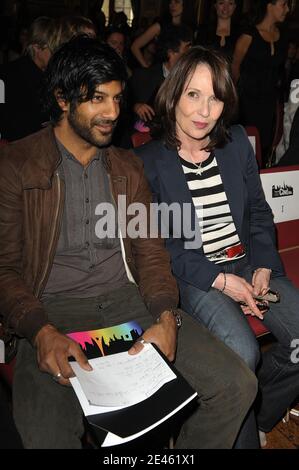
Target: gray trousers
48	415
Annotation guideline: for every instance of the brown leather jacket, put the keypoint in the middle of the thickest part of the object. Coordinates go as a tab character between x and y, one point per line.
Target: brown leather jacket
31	207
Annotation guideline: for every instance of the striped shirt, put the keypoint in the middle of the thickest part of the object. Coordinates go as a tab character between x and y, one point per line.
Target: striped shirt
212	208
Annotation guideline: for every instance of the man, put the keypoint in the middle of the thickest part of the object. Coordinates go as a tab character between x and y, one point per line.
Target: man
22	114
57	276
145	83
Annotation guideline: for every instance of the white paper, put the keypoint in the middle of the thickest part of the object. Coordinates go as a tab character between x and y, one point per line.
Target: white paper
88	409
121	380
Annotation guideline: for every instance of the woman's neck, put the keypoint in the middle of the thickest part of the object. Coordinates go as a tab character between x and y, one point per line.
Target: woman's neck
224	25
268	24
176	20
194	150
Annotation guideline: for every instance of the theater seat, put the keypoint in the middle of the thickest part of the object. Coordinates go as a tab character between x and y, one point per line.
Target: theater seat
140	138
257	326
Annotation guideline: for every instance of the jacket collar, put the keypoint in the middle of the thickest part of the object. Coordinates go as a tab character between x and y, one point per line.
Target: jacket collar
44	158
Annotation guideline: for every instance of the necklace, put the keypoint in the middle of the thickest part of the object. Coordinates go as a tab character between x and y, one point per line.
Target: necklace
199	168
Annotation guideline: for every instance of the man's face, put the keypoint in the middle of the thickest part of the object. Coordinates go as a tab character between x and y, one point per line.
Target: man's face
94	121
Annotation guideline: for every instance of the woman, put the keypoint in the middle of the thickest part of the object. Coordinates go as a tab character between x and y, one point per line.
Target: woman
177	13
258	63
208	170
221	33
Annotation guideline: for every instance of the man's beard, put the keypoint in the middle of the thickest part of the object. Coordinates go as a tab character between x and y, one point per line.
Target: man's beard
98	138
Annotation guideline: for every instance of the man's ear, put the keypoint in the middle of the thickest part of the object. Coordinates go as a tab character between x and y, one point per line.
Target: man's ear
62	103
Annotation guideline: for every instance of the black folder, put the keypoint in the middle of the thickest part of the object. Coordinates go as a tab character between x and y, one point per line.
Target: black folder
144	416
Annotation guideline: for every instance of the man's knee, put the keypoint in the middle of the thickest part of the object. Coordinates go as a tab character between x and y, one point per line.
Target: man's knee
243	387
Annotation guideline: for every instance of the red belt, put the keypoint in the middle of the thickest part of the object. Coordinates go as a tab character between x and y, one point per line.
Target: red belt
234	251
230	252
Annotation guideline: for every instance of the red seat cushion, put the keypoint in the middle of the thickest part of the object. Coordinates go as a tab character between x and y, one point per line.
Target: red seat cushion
290	261
257	326
6	372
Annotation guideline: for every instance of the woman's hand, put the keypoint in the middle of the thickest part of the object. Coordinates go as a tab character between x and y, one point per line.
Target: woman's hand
239	290
261	281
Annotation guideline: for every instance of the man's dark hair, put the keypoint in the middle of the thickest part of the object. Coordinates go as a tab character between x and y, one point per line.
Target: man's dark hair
170	40
164	124
76	69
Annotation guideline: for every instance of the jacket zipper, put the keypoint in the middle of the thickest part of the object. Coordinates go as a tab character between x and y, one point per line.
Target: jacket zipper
54	235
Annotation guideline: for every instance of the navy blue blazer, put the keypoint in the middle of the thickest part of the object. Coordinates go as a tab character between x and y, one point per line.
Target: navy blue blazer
251	213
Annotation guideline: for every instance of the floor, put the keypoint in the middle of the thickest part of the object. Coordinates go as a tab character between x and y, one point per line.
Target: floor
285	435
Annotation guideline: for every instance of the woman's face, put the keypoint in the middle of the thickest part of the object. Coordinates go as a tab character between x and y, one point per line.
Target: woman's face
198	110
176	8
225	8
117	42
279	10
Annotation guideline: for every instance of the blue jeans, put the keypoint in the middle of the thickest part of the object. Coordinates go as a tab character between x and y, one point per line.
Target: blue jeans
278	376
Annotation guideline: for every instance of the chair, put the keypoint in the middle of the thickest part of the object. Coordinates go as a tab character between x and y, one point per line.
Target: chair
140	138
257	326
254	137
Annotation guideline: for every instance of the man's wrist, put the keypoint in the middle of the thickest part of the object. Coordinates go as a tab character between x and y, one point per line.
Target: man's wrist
175	313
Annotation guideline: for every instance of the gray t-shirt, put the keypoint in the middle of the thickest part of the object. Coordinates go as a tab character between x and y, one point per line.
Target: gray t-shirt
84	265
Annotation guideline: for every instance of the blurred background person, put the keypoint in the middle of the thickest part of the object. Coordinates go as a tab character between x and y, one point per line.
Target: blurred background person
119	41
67	27
258	68
178	14
222	31
172	43
21	114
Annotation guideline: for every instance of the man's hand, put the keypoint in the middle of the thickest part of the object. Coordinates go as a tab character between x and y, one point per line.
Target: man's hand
144	111
239	290
53	351
162	334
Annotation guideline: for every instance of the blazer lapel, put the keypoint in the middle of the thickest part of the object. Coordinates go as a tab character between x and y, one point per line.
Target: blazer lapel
173	178
174	189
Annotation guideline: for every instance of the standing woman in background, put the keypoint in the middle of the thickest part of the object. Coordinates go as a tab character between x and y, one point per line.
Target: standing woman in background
177	15
221	33
258	60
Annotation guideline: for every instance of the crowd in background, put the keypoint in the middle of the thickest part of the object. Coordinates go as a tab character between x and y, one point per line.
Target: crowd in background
264	63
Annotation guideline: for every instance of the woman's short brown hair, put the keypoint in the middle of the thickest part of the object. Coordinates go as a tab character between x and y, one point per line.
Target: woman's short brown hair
164	124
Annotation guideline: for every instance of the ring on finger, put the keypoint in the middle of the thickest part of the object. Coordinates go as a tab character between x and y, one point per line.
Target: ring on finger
142	341
57	377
